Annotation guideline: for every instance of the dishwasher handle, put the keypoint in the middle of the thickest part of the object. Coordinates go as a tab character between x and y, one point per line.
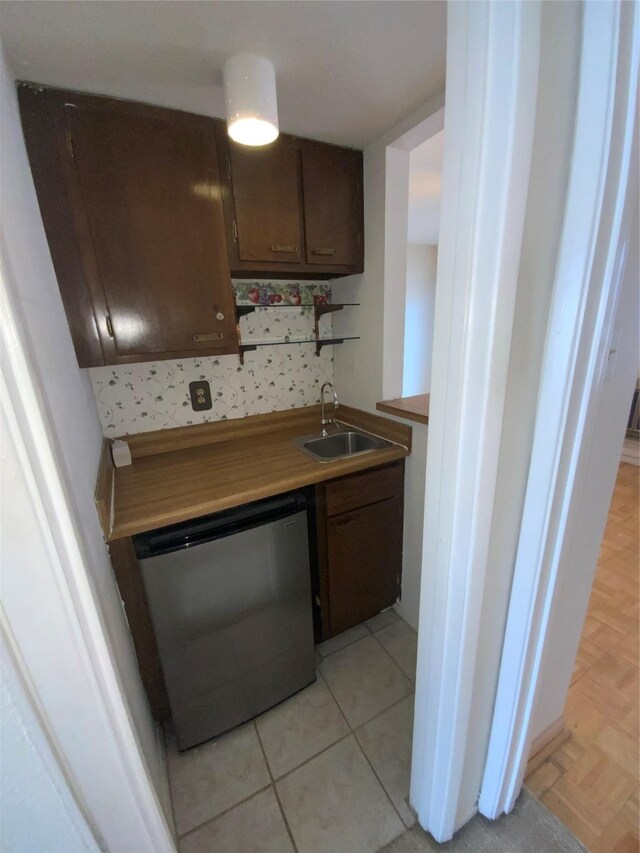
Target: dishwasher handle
198	531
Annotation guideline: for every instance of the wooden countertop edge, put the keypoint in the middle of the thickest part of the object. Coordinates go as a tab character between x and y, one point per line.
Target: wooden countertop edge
104	492
303	420
324	471
409	408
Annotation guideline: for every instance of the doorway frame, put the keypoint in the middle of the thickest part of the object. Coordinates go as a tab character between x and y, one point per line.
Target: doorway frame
397	172
66	641
594	248
492	76
492	60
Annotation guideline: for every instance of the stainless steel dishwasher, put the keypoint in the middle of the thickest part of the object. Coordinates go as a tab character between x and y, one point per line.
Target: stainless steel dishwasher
230	600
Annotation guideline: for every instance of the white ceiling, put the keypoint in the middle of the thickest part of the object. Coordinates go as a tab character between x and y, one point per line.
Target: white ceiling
347	70
425	177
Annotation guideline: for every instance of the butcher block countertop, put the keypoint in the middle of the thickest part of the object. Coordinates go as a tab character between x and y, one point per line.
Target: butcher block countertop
183	473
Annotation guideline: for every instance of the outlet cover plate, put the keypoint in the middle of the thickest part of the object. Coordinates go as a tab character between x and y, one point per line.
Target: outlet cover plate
200	393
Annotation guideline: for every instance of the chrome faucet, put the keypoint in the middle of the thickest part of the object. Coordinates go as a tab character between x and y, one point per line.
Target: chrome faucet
327	421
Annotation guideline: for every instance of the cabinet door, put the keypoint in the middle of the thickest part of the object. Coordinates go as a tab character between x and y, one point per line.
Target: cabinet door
364	556
149	186
332	188
267	205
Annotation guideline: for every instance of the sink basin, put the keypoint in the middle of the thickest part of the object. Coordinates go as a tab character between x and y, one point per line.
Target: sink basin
339	445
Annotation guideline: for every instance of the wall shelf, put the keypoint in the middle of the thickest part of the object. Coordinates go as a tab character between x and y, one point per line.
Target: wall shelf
319	343
319	310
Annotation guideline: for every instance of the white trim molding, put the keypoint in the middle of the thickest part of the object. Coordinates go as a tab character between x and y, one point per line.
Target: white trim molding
492	74
396	206
49	612
599	211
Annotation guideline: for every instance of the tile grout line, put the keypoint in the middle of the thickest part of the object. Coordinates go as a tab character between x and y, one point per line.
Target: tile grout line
262	749
351	642
379	780
225	811
276	779
382	646
284	818
344	716
311	758
375	716
275	790
373	634
352	732
346	646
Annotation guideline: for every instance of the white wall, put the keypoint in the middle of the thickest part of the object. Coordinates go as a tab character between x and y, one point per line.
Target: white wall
67	398
425	189
586	524
37	810
418	322
414	479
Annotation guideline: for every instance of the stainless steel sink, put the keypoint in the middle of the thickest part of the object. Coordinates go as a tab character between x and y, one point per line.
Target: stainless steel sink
339	445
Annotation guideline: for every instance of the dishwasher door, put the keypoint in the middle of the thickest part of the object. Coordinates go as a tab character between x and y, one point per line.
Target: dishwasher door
232	615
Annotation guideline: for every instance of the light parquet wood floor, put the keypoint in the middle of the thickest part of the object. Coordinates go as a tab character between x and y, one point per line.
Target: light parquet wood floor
591	781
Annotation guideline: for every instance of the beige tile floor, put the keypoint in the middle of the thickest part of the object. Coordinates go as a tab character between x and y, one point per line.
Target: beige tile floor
326	770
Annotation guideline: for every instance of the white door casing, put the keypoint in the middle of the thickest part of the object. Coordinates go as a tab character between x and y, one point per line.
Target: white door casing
492	74
590	273
51	618
396	207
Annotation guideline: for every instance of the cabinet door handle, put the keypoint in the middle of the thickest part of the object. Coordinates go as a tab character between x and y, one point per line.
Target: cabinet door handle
277	247
211	336
328	251
348	522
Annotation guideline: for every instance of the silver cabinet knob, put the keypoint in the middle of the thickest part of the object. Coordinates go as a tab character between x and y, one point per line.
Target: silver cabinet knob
219	316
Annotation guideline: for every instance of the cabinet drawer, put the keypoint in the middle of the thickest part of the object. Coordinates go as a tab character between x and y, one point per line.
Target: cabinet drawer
363	489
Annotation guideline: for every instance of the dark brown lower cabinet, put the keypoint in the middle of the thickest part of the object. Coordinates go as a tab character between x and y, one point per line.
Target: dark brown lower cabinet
359	523
134	598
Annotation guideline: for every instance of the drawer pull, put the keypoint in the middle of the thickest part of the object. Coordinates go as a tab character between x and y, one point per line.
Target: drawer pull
277	247
348	522
327	251
211	336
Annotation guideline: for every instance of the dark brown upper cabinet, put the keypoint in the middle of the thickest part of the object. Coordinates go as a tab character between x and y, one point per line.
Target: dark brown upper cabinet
332	191
266	193
293	208
131	203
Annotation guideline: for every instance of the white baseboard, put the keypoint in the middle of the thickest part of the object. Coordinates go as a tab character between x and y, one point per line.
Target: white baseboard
546	744
631	451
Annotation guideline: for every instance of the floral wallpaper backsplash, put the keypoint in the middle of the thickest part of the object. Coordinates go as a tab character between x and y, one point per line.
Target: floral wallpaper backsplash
155	395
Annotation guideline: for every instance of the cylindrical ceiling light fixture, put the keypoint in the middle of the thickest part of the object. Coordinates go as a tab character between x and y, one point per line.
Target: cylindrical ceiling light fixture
250	96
